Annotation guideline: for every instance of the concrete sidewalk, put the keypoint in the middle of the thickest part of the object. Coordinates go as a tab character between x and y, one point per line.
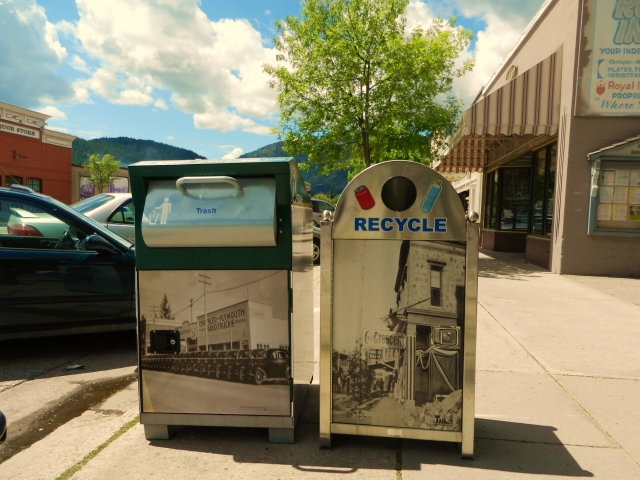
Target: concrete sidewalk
557	394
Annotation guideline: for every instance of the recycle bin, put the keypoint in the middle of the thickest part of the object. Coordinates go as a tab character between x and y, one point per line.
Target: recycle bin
224	293
398	309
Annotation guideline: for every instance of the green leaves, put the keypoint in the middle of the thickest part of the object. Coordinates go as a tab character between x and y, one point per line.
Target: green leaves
102	171
358	89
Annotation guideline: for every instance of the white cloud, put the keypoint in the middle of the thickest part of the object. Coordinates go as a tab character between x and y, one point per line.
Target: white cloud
267	12
160	104
58	129
79	64
170	138
54	112
30	55
505	21
89	134
235	153
213	70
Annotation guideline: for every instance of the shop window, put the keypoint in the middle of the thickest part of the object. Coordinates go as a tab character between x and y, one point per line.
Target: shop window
491	210
436	286
514	212
544	177
507	203
12	180
35	184
615	197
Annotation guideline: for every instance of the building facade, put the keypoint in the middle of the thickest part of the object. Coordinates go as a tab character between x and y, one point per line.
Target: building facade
32	155
564	102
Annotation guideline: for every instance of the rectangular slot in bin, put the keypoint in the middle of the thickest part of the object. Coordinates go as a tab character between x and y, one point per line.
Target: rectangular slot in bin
215	211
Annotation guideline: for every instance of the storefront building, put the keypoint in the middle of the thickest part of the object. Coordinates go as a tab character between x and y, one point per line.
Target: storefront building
32	155
82	188
554	137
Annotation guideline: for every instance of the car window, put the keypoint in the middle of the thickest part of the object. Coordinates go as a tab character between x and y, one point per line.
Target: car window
124	214
92	203
326	206
25	225
96	226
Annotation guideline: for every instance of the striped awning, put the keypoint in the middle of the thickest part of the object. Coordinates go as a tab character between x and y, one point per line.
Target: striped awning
527	106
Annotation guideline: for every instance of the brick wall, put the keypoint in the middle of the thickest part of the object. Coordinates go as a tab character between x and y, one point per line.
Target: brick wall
50	163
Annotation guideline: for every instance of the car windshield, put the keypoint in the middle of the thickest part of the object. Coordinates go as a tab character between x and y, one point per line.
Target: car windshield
98	228
91	203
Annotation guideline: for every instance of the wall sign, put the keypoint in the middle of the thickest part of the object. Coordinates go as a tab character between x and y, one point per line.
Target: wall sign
609	72
19	130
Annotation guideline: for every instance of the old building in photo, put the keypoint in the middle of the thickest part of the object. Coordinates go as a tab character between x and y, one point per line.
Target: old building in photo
429	311
33	155
547	134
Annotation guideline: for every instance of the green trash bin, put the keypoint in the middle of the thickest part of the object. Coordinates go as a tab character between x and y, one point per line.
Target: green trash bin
224	293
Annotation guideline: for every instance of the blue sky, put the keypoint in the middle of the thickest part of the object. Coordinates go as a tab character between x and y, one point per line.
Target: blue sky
186	72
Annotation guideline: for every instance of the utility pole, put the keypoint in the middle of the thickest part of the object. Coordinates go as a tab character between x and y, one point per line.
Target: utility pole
203	281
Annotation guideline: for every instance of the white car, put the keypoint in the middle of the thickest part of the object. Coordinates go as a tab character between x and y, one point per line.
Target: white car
113	210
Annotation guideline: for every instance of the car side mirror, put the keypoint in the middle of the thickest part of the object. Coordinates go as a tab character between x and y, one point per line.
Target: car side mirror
95	243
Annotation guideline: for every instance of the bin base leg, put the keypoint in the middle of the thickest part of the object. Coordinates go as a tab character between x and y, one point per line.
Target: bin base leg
325	440
281	435
466	451
158	432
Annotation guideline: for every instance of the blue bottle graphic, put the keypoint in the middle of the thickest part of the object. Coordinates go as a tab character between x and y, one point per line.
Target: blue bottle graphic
431	196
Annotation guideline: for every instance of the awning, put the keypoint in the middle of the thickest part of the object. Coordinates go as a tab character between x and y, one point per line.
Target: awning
526	107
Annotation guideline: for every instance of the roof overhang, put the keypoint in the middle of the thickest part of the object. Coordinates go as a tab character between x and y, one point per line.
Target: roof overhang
625	149
523	112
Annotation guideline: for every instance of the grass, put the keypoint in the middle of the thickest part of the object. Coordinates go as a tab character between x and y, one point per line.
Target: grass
71	471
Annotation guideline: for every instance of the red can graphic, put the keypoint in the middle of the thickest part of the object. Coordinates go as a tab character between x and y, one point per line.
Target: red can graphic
363	195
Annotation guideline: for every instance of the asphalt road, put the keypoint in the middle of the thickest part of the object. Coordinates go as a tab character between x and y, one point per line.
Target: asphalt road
171	393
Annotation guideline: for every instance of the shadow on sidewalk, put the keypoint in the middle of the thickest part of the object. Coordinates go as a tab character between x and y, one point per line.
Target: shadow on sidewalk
504	447
506	265
497	448
25	359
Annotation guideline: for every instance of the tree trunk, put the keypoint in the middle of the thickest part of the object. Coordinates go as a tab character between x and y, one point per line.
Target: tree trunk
366	150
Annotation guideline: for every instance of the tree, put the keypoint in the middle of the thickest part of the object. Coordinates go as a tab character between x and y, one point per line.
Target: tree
358	89
102	171
165	309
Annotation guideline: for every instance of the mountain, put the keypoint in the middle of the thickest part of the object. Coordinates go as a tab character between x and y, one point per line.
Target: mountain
128	150
335	181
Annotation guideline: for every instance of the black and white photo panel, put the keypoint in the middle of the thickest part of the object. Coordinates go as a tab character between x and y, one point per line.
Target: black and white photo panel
398	316
215	341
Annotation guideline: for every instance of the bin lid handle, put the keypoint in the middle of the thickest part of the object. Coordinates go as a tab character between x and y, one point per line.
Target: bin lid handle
220	179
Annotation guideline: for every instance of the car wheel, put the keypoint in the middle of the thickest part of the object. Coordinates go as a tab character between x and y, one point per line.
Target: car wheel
218	372
259	376
242	377
316	252
230	373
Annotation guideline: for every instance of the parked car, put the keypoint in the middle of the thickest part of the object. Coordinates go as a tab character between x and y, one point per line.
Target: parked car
113	210
316	243
76	277
269	365
320	206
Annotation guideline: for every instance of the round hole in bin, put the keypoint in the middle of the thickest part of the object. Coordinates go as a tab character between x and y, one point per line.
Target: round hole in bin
398	194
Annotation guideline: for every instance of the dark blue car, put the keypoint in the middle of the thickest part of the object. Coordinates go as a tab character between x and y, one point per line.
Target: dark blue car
60	272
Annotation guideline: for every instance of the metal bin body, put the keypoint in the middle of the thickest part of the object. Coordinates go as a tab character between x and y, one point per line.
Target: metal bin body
398	309
224	293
